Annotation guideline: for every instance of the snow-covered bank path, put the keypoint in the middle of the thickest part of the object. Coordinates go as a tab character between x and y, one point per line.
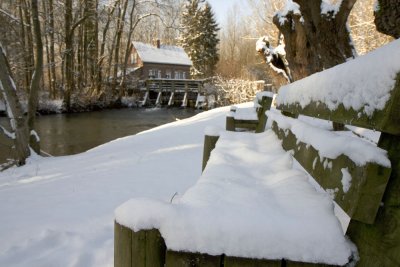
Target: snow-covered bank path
60	211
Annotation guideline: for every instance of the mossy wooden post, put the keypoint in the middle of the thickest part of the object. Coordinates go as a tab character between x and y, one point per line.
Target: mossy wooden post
262	117
144	248
230	123
379	244
230	120
246	262
305	264
209	144
186	259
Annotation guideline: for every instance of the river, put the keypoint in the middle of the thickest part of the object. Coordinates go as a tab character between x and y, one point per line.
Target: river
67	134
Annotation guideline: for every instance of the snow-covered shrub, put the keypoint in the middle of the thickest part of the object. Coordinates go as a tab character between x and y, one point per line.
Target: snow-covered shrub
233	91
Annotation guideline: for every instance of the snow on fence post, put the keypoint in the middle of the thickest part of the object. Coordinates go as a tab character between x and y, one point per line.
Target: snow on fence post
210	140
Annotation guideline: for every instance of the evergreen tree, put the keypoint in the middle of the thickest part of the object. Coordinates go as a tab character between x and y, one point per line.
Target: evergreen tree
199	37
210	41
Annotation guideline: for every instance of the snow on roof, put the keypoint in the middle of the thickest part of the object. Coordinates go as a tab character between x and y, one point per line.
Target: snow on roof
249	202
166	54
363	84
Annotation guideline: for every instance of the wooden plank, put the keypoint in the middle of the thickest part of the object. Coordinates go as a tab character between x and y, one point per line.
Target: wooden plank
246	262
122	246
304	264
246	124
209	145
379	244
386	120
362	200
186	259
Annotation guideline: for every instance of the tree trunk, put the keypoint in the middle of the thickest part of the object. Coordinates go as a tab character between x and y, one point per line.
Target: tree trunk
14	110
118	35
127	50
91	42
315	41
69	56
37	76
47	46
52	53
26	42
102	47
387	17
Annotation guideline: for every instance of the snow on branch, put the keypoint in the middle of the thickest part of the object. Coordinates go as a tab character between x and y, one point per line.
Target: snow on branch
290	7
12	17
329	7
274	57
7	133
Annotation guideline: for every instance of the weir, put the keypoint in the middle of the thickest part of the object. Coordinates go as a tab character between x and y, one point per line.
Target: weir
173	92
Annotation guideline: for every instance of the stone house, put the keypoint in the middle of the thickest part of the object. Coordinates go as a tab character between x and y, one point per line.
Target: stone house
159	61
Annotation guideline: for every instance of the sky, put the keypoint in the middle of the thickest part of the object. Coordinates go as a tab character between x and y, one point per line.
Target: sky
221	8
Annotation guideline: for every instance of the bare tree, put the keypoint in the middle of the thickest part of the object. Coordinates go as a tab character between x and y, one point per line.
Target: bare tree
18	124
363	30
36	78
91	42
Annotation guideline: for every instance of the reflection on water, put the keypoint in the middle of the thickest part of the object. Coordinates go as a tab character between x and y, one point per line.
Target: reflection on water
66	134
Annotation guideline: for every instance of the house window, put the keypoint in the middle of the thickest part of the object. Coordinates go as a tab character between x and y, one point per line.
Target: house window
168	74
176	74
152	73
184	75
159	74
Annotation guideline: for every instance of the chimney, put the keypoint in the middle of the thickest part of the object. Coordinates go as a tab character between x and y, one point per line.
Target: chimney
158	43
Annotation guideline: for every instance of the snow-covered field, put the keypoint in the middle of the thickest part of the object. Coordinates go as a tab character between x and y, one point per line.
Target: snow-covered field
60	211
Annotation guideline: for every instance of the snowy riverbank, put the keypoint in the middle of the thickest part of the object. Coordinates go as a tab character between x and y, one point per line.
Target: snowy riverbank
60	211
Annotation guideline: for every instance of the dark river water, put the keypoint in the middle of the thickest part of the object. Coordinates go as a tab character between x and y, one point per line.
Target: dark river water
67	134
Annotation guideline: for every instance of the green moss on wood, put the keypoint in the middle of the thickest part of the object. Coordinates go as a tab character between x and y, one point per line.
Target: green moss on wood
209	145
186	259
122	246
379	244
262	117
144	248
304	264
362	200
386	120
246	262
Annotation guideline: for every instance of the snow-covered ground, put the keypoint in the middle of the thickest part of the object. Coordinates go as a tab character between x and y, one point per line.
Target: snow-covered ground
60	211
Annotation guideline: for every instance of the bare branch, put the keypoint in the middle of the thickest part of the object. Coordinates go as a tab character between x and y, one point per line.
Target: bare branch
12	17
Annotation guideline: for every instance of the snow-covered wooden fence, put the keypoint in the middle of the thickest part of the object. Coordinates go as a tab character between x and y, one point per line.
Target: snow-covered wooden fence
251	118
251	207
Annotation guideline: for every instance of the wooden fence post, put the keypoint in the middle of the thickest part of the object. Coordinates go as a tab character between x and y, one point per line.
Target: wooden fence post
209	144
145	248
